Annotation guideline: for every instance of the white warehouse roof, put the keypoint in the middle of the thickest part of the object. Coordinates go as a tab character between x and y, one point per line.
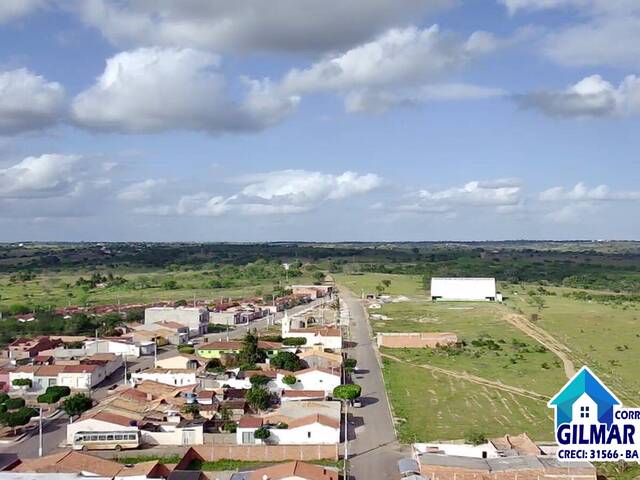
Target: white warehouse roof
463	288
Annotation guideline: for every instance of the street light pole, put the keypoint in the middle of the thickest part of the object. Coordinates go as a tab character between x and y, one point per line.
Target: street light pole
346	438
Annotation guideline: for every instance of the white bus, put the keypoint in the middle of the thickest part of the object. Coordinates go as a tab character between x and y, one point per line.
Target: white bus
106	440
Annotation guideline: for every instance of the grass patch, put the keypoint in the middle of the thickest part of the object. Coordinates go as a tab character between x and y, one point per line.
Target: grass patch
408	285
429	407
603	336
149	458
228	464
618	470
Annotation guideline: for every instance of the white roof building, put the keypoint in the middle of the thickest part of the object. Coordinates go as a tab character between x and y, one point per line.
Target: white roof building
464	289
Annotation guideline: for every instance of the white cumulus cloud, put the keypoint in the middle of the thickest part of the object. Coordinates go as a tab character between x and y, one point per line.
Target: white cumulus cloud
250	25
582	193
28	101
279	192
590	97
156	89
48	175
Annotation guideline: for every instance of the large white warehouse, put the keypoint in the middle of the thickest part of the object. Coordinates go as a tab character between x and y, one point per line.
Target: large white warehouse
464	289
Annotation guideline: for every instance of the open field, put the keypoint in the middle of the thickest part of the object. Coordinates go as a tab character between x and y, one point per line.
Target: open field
408	285
429	406
60	290
606	337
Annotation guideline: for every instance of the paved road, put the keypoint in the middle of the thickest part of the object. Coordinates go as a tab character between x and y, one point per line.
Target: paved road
375	452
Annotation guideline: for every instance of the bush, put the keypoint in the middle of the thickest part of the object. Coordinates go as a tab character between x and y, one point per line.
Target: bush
286	361
18	418
289	380
192	409
54	394
22	382
262	433
3	397
188	349
350	364
475	438
294	341
230	427
3	408
14	403
259	380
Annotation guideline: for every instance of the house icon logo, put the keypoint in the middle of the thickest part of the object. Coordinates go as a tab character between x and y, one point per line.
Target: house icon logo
591	423
584	399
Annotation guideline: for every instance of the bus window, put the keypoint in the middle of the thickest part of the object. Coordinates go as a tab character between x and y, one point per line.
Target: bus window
109	437
94	438
102	438
118	437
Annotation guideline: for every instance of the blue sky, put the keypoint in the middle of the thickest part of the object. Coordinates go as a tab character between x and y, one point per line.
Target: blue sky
288	120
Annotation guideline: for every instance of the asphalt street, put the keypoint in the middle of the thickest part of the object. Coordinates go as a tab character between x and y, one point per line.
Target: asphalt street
374	452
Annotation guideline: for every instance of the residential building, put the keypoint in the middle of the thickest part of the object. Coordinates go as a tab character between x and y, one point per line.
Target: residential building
317	358
314	429
196	319
219	348
464	289
22	348
312	291
175	377
181	361
302	395
317	379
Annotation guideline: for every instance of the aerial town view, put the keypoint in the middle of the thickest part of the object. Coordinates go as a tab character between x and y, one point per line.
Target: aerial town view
304	240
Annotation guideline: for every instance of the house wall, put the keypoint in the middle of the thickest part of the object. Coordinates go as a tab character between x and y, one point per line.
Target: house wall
317	380
78	381
174	362
312	434
472	289
174	436
274	453
313	340
106	346
195	318
168	378
416	340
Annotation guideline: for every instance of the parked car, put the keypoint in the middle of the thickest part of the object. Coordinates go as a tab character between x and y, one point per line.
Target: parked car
356	403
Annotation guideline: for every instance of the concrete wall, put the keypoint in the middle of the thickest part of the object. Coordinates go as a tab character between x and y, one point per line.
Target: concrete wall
416	340
274	453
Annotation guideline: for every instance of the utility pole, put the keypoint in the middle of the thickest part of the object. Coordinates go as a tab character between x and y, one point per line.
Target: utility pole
125	369
40	434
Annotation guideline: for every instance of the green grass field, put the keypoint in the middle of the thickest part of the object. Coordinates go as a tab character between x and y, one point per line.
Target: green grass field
409	285
58	290
604	337
429	406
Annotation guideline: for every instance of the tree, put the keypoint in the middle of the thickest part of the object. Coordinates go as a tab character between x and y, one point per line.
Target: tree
258	398
286	361
250	353
191	409
346	392
318	277
15	403
289	380
77	404
17	418
262	433
259	380
386	283
294	341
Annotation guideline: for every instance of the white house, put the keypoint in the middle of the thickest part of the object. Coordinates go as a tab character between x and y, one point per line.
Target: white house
584	410
314	429
197	319
117	346
464	289
326	338
174	377
317	379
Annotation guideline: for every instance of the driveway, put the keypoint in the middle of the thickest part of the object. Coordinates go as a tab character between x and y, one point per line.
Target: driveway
375	452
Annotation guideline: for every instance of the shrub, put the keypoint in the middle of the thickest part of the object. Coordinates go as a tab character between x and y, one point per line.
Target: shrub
3	397
18	418
230	427
188	349
259	380
22	382
262	433
3	408
294	341
192	409
289	380
286	361
475	438
14	403
350	364
54	394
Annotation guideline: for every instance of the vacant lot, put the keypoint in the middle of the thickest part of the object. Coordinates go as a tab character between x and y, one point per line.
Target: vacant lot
491	347
605	337
428	406
408	285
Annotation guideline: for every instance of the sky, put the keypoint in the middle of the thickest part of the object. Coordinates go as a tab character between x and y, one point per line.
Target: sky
366	120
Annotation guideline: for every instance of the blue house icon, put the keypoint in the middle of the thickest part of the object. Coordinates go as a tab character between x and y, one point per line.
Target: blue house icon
584	397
